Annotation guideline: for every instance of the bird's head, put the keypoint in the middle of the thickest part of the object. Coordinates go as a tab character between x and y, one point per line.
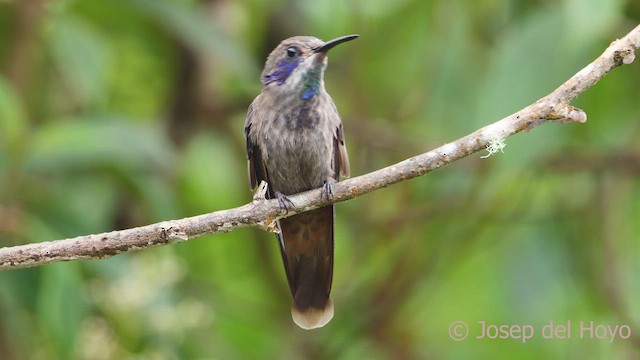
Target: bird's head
297	65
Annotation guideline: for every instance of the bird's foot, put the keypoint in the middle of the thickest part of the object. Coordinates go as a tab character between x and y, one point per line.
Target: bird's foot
284	201
327	188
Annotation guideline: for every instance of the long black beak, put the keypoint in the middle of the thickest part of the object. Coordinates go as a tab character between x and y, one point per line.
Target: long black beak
331	43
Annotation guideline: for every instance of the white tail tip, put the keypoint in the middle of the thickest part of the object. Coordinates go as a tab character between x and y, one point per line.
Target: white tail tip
312	318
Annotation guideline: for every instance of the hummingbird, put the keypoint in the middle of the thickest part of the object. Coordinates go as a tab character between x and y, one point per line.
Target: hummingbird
295	142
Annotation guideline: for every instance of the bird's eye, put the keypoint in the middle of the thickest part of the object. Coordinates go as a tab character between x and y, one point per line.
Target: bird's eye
292	51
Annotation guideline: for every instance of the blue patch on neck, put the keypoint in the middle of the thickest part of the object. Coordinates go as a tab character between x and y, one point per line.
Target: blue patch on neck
311	82
285	68
308	94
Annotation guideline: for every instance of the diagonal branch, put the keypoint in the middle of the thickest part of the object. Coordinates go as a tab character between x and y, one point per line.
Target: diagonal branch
260	212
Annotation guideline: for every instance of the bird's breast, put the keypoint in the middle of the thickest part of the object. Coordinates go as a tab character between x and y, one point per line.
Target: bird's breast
297	148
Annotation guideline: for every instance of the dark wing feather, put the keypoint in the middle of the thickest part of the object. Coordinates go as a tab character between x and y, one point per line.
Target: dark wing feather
341	157
252	149
256	168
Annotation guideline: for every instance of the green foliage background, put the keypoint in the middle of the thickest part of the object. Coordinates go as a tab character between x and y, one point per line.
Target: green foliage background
121	113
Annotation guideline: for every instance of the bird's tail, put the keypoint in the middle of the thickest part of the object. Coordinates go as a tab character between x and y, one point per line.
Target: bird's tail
312	317
306	244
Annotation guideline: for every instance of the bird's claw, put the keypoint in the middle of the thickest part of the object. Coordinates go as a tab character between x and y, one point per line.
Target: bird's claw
284	202
327	188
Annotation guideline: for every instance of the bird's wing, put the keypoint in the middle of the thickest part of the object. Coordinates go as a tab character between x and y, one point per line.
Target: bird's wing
257	171
341	157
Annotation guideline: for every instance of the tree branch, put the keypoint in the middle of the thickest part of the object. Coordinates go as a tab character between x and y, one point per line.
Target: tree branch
263	213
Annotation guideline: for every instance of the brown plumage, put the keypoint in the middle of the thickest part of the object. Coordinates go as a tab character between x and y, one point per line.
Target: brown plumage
295	143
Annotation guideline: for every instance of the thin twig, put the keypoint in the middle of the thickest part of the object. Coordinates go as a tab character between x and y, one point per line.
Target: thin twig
260	212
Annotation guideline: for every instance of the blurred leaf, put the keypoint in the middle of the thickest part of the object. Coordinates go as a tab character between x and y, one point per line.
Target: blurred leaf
82	55
98	143
525	65
13	122
61	305
212	178
71	206
13	130
192	25
159	197
602	16
16	308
